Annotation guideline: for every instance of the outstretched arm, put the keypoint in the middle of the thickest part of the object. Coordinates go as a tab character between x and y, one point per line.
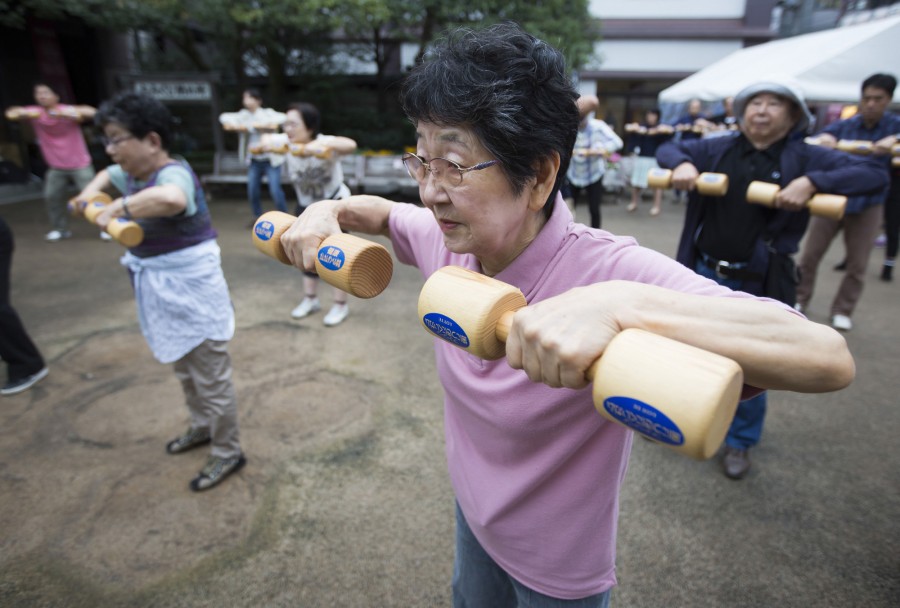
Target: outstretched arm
363	213
555	341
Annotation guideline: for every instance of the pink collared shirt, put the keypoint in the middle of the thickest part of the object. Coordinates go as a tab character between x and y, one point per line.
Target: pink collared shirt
536	470
60	138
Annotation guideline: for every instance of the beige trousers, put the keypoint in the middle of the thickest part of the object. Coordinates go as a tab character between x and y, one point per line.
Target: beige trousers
205	375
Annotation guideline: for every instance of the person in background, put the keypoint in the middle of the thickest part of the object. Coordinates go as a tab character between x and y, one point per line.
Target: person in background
183	304
693	124
746	246
255	120
727	119
864	215
724	123
643	141
24	363
536	472
594	142
314	168
59	135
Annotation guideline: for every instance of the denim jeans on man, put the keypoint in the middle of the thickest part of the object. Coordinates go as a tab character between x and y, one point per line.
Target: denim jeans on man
746	428
478	582
254	185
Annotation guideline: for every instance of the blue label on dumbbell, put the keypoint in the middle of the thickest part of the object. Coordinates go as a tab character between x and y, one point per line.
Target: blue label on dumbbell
331	257
644	419
445	329
264	230
708	178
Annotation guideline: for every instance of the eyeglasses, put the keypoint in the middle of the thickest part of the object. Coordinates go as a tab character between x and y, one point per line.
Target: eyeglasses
444	171
115	141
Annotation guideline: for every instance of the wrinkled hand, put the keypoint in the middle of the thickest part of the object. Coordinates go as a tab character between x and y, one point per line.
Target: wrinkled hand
885	145
795	195
111	212
555	341
684	177
302	240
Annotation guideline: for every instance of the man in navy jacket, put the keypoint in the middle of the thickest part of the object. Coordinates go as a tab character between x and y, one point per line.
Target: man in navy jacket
745	246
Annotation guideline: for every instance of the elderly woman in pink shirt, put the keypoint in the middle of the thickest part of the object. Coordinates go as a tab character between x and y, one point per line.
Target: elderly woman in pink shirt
58	130
535	470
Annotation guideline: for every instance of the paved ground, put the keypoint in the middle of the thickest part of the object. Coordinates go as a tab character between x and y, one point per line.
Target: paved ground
345	501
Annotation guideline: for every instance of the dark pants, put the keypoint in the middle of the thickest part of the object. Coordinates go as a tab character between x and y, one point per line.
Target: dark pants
16	348
747	425
892	218
594	195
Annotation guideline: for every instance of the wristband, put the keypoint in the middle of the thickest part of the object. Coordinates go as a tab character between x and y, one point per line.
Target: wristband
125	210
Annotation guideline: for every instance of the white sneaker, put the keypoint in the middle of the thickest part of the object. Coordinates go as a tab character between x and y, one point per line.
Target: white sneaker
306	308
56	235
105	236
841	322
336	315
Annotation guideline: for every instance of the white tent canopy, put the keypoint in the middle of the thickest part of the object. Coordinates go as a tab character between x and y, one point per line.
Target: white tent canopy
827	66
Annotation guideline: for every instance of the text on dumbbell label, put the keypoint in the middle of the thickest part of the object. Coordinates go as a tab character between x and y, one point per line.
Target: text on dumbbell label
331	257
644	419
264	230
446	329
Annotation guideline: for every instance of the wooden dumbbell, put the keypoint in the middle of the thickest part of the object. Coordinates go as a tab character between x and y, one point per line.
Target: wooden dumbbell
830	206
352	264
854	146
300	150
708	184
589	152
125	232
76	206
674	393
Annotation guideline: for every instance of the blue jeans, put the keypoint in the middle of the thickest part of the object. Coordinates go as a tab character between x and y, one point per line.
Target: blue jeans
478	582
747	425
254	185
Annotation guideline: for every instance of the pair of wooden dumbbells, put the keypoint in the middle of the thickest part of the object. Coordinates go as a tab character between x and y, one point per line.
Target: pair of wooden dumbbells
127	232
861	147
678	395
761	193
292	149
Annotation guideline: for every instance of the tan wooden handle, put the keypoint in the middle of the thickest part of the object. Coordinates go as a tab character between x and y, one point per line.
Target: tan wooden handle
854	146
707	184
676	394
831	206
350	263
76	205
125	232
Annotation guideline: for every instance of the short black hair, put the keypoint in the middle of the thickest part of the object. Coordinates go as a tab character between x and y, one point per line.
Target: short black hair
510	88
312	118
44	83
885	82
254	93
139	113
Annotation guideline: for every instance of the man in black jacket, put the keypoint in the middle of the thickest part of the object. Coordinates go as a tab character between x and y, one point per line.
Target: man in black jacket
745	246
